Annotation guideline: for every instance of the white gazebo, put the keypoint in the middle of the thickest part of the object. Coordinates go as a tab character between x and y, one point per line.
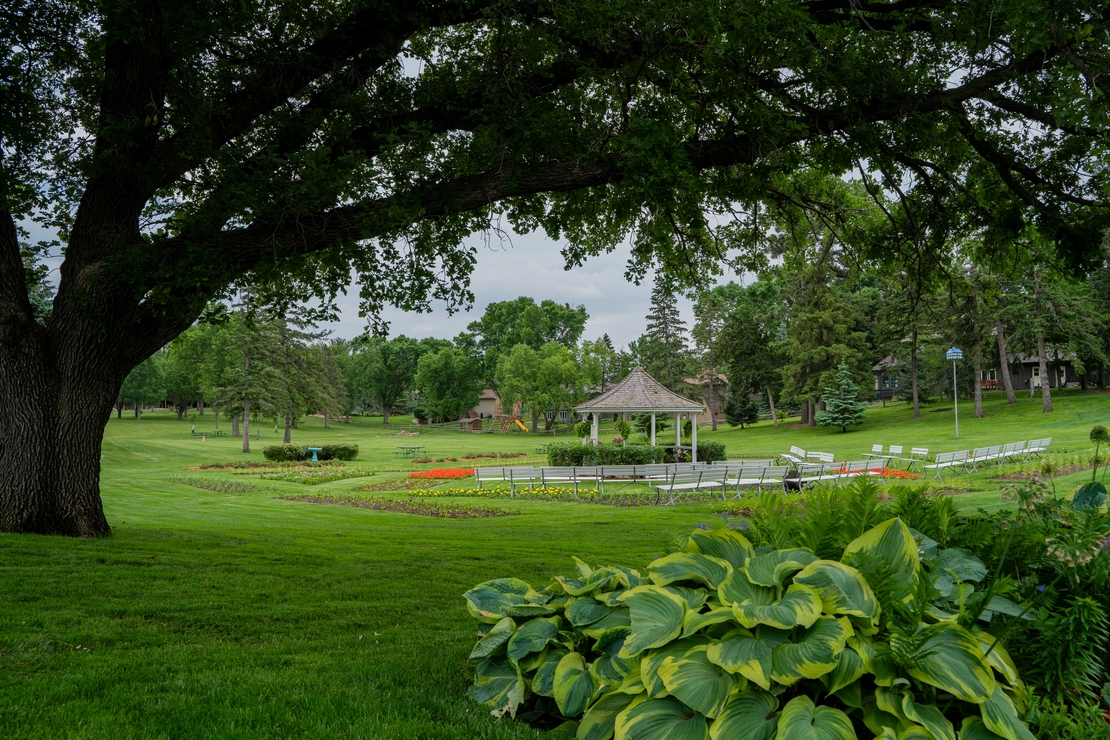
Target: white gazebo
640	393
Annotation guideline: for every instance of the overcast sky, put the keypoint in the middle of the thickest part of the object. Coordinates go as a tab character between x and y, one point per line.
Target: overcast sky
531	266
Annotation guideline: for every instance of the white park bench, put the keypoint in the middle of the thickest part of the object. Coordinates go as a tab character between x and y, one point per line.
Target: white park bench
554	475
918	457
678	483
821	457
1037	446
796	456
810	474
982	455
949	461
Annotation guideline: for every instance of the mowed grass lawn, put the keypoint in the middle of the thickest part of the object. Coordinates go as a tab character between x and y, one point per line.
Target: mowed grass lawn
235	616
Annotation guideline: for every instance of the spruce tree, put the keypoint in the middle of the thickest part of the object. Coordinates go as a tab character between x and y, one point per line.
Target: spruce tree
842	405
662	349
741	411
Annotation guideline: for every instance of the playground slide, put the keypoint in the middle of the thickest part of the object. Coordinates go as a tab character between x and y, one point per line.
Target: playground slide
519	424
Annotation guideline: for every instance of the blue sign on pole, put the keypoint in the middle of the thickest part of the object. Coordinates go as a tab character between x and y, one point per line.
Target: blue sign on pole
955	354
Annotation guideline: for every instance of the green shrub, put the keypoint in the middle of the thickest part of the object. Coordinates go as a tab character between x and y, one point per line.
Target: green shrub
283	453
721	642
1084	720
707	452
578	454
582	429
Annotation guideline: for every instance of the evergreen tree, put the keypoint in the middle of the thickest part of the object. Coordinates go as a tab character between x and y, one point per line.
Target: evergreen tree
662	349
842	405
741	411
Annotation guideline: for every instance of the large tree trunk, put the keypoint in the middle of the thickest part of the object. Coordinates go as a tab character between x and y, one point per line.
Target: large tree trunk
235	425
913	374
535	421
812	413
288	429
771	403
978	379
138	412
246	424
712	400
327	420
119	410
1042	358
385	414
1004	361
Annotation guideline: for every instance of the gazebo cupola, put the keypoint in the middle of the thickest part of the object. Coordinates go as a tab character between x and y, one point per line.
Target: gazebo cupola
639	393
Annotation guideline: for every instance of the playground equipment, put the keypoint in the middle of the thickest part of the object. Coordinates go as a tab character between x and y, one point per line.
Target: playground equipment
508	420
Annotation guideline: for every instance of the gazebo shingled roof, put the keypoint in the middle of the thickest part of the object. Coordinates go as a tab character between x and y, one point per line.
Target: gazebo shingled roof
639	392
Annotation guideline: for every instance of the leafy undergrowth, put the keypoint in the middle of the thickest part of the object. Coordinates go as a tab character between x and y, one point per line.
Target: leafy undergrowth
567	495
218	486
315	478
411	505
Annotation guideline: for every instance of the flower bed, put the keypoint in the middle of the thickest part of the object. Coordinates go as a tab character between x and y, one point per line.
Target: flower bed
315	477
404	484
566	495
219	486
443	473
250	464
439	509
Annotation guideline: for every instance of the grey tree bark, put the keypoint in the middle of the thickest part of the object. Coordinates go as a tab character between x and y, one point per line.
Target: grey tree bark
771	403
913	374
1004	361
978	360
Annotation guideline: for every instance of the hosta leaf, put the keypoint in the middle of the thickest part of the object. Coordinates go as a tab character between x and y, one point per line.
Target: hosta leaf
627	577
799	606
543	682
915	733
891	702
616	618
574	685
737	589
814	652
1001	717
955	566
974	729
586	610
876	660
748	653
1002	605
698	683
695	598
999	659
607	668
505	597
776	566
929	717
653	659
533	636
950	658
801	720
603	579
610	598
750	715
876	719
495	640
1089	496
686	566
849	669
851	695
888	548
598	722
660	719
583	569
657	616
843	590
498	684
725	544
695	621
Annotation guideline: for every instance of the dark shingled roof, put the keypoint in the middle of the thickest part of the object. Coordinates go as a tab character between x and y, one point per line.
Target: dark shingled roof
639	392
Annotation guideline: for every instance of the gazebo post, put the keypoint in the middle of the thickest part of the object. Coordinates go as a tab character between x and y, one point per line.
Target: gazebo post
653	429
693	437
594	428
677	434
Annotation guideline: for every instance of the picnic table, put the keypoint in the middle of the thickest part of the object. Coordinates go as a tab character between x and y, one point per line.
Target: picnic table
215	433
408	450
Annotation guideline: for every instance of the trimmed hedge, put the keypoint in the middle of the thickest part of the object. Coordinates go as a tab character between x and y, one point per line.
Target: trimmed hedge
578	454
283	453
707	452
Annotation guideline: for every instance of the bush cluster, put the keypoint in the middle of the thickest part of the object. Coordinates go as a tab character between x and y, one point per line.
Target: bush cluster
285	453
576	454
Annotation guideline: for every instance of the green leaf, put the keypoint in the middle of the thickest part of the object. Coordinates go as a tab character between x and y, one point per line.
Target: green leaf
750	715
1001	717
598	722
974	729
657	617
533	637
748	653
653	659
543	682
586	610
498	684
698	683
929	717
505	597
660	719
603	579
737	589
849	669
877	720
695	621
695	598
999	659
891	549
799	606
801	720
574	685
813	653
1089	496
725	544
843	590
616	618
608	668
950	658
494	641
958	565
583	569
877	659
1002	605
685	566
776	566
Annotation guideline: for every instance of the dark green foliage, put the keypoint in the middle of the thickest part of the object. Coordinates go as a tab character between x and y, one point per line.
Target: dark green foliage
1068	651
1083	720
707	452
1090	495
283	453
505	324
642	423
741	411
449	382
662	349
577	454
843	407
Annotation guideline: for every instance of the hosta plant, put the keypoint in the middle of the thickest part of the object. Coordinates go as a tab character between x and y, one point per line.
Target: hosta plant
726	642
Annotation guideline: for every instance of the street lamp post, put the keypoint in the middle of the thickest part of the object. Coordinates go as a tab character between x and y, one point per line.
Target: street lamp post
955	354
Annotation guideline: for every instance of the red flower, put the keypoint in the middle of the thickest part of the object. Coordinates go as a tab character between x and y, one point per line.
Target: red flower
444	473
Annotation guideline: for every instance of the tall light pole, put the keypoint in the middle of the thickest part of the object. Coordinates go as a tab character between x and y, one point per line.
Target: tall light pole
954	354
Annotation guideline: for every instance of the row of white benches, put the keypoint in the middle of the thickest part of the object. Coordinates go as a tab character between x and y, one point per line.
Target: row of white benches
806	474
917	457
970	460
754	470
798	456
